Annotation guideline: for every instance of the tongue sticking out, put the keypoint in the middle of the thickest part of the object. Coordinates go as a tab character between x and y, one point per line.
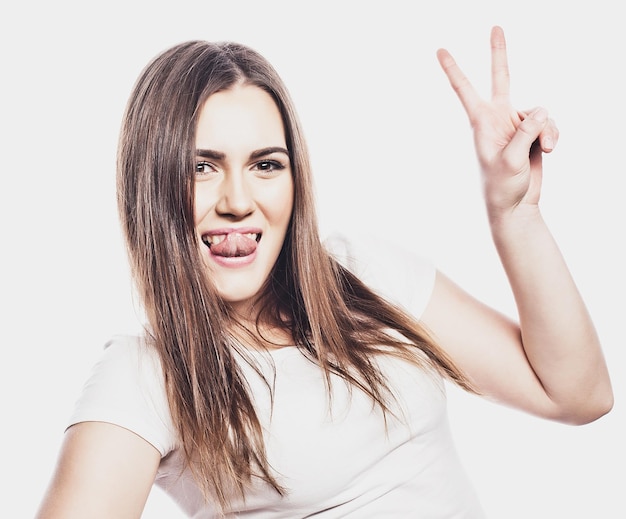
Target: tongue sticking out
234	245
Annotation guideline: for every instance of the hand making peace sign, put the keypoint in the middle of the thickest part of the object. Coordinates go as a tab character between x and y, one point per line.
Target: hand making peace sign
509	143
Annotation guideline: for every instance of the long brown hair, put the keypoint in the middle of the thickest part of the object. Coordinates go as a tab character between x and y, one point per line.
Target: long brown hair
332	316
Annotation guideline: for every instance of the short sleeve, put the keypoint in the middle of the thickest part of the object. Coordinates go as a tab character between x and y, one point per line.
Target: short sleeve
126	388
399	275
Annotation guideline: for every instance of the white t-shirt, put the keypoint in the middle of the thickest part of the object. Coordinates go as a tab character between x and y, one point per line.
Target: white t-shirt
337	461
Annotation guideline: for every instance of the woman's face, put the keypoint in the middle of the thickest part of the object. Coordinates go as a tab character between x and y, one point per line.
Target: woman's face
243	192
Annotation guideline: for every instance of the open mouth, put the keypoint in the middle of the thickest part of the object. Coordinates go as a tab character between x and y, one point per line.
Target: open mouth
232	244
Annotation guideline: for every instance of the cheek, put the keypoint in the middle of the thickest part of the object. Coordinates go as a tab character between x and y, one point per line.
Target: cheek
282	206
282	200
287	211
201	204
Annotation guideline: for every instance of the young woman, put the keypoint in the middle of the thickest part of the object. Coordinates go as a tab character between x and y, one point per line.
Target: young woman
280	376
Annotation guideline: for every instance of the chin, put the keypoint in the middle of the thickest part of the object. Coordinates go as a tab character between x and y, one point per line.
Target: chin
238	296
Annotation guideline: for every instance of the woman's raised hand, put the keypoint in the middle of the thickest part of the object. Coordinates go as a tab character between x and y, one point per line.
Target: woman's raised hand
509	143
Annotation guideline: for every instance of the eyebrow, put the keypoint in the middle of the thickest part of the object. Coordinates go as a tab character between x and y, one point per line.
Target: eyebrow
210	154
263	152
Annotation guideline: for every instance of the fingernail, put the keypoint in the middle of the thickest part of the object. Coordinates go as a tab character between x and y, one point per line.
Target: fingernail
540	114
548	144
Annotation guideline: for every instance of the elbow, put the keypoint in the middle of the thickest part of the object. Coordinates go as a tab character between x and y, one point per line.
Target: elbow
590	410
600	409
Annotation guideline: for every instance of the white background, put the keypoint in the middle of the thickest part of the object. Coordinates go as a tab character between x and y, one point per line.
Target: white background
393	157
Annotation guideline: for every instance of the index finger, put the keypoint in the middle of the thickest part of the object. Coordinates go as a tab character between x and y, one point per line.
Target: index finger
458	80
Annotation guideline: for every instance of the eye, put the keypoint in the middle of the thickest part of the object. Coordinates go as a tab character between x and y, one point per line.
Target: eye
268	167
204	168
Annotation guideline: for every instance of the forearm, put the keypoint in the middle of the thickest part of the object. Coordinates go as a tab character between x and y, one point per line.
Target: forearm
558	335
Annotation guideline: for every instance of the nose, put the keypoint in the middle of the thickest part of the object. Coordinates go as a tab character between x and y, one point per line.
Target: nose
235	198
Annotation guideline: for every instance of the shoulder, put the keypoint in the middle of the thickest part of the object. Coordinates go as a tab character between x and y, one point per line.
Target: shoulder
390	269
126	388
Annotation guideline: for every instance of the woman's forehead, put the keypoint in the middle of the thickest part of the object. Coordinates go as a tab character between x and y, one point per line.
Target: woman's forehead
242	116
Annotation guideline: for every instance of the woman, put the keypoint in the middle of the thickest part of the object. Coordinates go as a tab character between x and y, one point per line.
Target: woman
279	376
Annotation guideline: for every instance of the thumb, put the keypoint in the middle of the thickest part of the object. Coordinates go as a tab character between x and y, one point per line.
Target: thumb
527	133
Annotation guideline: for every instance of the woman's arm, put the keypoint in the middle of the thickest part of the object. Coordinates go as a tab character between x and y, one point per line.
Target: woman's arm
103	471
551	364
